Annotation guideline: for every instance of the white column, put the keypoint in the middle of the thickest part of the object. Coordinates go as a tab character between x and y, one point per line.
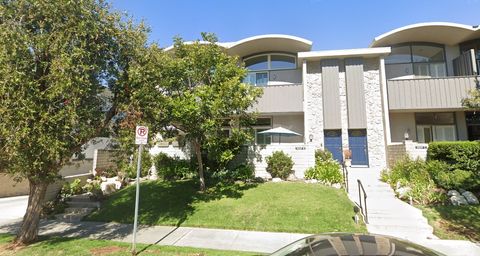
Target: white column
386	115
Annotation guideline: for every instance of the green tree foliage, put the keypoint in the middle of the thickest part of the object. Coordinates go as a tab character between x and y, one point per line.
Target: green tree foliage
199	87
473	102
56	60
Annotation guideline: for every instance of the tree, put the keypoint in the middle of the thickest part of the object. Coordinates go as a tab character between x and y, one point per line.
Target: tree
473	102
200	87
57	59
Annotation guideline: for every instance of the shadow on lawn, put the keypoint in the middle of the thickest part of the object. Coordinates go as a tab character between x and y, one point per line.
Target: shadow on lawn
169	203
464	220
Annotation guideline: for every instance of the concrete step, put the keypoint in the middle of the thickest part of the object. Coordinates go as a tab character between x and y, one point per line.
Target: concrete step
80	198
69	217
417	228
83	204
396	220
75	210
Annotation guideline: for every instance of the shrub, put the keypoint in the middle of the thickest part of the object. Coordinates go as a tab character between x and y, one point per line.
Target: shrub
173	168
279	165
243	172
71	188
130	168
417	175
53	207
326	169
462	157
93	188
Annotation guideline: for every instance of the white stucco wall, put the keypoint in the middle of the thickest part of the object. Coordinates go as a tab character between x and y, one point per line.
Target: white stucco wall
303	157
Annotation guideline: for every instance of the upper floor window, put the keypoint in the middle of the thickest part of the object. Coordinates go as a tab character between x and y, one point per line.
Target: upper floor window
260	66
270	62
416	60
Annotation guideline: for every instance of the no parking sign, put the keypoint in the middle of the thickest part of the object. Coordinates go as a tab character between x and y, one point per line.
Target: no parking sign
141	135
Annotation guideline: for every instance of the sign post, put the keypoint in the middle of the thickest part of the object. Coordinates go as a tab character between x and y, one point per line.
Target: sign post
141	138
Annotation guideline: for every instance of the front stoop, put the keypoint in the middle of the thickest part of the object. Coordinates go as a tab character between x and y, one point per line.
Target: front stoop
388	215
79	206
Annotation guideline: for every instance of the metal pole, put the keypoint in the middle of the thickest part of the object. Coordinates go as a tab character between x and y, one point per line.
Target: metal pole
139	165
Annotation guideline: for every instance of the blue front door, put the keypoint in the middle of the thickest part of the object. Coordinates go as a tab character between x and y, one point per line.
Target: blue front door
333	143
357	141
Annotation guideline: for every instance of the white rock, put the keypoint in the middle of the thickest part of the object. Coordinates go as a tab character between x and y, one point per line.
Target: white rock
402	192
453	193
108	187
458	200
470	197
311	181
103	178
118	185
292	177
111	180
89	180
337	185
276	180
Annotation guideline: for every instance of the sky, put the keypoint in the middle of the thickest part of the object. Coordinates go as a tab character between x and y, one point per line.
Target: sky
329	24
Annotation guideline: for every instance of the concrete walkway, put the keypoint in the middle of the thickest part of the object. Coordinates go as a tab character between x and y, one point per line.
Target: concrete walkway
222	239
388	215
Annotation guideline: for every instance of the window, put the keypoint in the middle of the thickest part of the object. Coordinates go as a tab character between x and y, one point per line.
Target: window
262	124
409	60
282	62
261	65
435	127
257	78
262	139
257	63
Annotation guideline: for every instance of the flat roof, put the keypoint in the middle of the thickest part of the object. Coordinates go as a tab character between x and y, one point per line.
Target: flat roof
346	53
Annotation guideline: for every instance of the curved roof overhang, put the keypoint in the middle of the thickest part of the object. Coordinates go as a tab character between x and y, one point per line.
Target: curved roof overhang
268	43
263	43
433	32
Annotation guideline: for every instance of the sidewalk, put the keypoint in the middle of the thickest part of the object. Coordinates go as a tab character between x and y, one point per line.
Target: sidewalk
222	239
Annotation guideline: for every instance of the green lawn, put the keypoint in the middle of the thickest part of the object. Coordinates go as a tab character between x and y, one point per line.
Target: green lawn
454	222
285	207
78	246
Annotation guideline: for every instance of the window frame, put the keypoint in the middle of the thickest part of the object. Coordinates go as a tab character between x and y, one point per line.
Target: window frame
269	61
413	63
434	125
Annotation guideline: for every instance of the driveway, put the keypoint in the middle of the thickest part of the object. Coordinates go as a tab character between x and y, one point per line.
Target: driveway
12	209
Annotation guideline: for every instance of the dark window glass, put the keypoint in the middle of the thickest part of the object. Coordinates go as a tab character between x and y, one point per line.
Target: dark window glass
427	53
399	54
263	138
282	62
257	63
263	121
261	78
435	118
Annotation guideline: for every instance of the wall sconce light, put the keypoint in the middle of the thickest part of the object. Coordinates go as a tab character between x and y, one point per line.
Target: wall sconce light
310	137
406	134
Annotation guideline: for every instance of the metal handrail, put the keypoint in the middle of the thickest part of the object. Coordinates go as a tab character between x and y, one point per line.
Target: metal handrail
345	176
362	209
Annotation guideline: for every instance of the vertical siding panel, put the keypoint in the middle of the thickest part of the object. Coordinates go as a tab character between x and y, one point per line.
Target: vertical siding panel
331	94
357	117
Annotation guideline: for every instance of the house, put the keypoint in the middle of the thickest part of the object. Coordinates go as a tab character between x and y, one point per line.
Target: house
381	102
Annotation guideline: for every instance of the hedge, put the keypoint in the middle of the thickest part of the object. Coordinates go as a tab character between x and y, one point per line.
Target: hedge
463	157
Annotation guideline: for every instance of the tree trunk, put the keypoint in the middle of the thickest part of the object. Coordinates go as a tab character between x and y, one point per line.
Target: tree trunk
29	231
198	153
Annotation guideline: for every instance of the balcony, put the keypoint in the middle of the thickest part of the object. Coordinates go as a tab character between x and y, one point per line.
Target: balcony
429	93
281	99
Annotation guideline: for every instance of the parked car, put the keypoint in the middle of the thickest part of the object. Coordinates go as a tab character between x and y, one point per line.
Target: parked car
353	244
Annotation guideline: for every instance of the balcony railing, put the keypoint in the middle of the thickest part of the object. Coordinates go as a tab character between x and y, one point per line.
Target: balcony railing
281	98
429	93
